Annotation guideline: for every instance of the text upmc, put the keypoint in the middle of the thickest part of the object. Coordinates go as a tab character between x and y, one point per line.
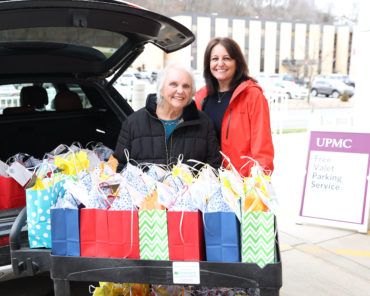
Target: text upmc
334	143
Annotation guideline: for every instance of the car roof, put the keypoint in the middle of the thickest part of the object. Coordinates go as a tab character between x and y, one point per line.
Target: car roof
82	37
328	80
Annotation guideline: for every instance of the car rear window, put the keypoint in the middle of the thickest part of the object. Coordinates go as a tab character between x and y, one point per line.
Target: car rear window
105	41
10	95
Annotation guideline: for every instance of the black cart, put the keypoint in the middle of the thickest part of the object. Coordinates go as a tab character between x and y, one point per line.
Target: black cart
64	269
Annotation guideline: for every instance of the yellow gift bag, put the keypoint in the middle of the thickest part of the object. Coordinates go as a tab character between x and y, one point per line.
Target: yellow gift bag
115	289
72	162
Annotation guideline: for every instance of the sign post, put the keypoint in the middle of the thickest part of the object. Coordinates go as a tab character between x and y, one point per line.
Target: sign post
336	181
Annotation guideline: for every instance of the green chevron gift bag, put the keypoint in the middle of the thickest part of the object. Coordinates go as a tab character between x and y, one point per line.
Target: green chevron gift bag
153	236
258	237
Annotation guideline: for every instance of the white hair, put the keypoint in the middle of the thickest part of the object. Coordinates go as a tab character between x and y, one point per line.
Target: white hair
162	75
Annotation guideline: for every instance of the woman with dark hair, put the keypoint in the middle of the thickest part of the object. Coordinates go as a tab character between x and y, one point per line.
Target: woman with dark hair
237	106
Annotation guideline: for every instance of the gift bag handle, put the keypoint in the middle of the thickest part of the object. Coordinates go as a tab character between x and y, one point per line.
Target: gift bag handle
73	157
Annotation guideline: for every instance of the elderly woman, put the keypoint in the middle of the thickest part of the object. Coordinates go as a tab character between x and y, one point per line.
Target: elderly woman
169	125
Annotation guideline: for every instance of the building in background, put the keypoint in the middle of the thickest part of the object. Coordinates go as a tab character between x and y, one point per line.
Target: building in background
272	46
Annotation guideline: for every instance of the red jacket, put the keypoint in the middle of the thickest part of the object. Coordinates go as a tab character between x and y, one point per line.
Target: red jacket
245	129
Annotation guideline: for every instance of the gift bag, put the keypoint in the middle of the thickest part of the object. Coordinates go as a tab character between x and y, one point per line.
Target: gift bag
185	236
65	231
109	234
94	233
39	199
258	237
222	236
153	237
72	163
65	224
118	289
123	229
12	195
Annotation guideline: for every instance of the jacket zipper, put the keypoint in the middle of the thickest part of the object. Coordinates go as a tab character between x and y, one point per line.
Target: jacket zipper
228	125
165	142
170	142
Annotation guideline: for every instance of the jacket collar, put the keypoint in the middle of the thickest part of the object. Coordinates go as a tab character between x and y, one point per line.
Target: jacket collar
190	111
242	86
202	93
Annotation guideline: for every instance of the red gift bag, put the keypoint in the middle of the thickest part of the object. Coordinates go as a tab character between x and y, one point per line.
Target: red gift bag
123	234
94	233
109	234
185	236
12	195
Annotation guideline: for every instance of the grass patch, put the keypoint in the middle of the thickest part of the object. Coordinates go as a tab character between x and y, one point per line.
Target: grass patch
293	130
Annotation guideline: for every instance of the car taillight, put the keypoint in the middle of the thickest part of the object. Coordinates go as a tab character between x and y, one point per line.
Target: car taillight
134	5
4	241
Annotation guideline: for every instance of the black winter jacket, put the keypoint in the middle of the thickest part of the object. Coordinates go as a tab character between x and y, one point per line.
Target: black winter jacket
143	135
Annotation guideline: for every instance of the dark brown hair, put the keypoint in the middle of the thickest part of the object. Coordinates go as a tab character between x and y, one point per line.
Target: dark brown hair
234	51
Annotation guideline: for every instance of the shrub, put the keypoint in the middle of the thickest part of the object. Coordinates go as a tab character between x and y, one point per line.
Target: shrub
344	97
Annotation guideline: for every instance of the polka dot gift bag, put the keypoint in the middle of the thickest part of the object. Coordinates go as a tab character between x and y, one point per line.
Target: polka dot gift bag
39	199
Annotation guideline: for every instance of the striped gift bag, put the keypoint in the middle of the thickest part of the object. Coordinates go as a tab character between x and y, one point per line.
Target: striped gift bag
258	237
153	235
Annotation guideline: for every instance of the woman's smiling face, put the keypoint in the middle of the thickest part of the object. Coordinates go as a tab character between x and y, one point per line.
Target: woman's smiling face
176	90
222	66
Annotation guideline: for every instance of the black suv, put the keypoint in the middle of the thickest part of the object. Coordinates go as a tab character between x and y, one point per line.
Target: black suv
51	51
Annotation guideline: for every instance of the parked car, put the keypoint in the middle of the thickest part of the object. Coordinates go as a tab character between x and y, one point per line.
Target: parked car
287	77
59	45
341	77
291	89
125	85
145	75
154	75
330	87
266	77
292	78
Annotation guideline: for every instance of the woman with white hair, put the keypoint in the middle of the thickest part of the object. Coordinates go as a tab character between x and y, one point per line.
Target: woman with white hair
169	125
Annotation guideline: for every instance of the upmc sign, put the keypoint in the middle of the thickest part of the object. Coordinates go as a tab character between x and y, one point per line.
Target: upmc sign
335	188
340	142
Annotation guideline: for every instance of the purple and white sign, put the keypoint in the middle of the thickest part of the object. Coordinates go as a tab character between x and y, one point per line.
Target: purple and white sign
336	177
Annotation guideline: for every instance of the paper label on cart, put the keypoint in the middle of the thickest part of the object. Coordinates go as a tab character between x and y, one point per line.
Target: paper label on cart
186	273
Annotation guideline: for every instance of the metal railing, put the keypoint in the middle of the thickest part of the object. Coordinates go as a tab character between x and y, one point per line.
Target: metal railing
278	105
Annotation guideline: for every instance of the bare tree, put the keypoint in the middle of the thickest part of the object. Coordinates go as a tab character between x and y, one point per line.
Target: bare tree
303	10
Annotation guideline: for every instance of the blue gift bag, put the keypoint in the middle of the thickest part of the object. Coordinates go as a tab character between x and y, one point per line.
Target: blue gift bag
222	236
39	202
65	232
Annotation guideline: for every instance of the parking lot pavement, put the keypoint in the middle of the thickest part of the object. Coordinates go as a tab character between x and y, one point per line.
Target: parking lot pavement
317	260
318	102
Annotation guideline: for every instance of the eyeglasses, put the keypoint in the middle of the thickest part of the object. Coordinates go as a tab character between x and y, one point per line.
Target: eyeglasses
224	59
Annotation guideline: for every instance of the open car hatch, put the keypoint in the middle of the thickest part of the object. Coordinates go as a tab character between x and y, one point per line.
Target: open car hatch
96	37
